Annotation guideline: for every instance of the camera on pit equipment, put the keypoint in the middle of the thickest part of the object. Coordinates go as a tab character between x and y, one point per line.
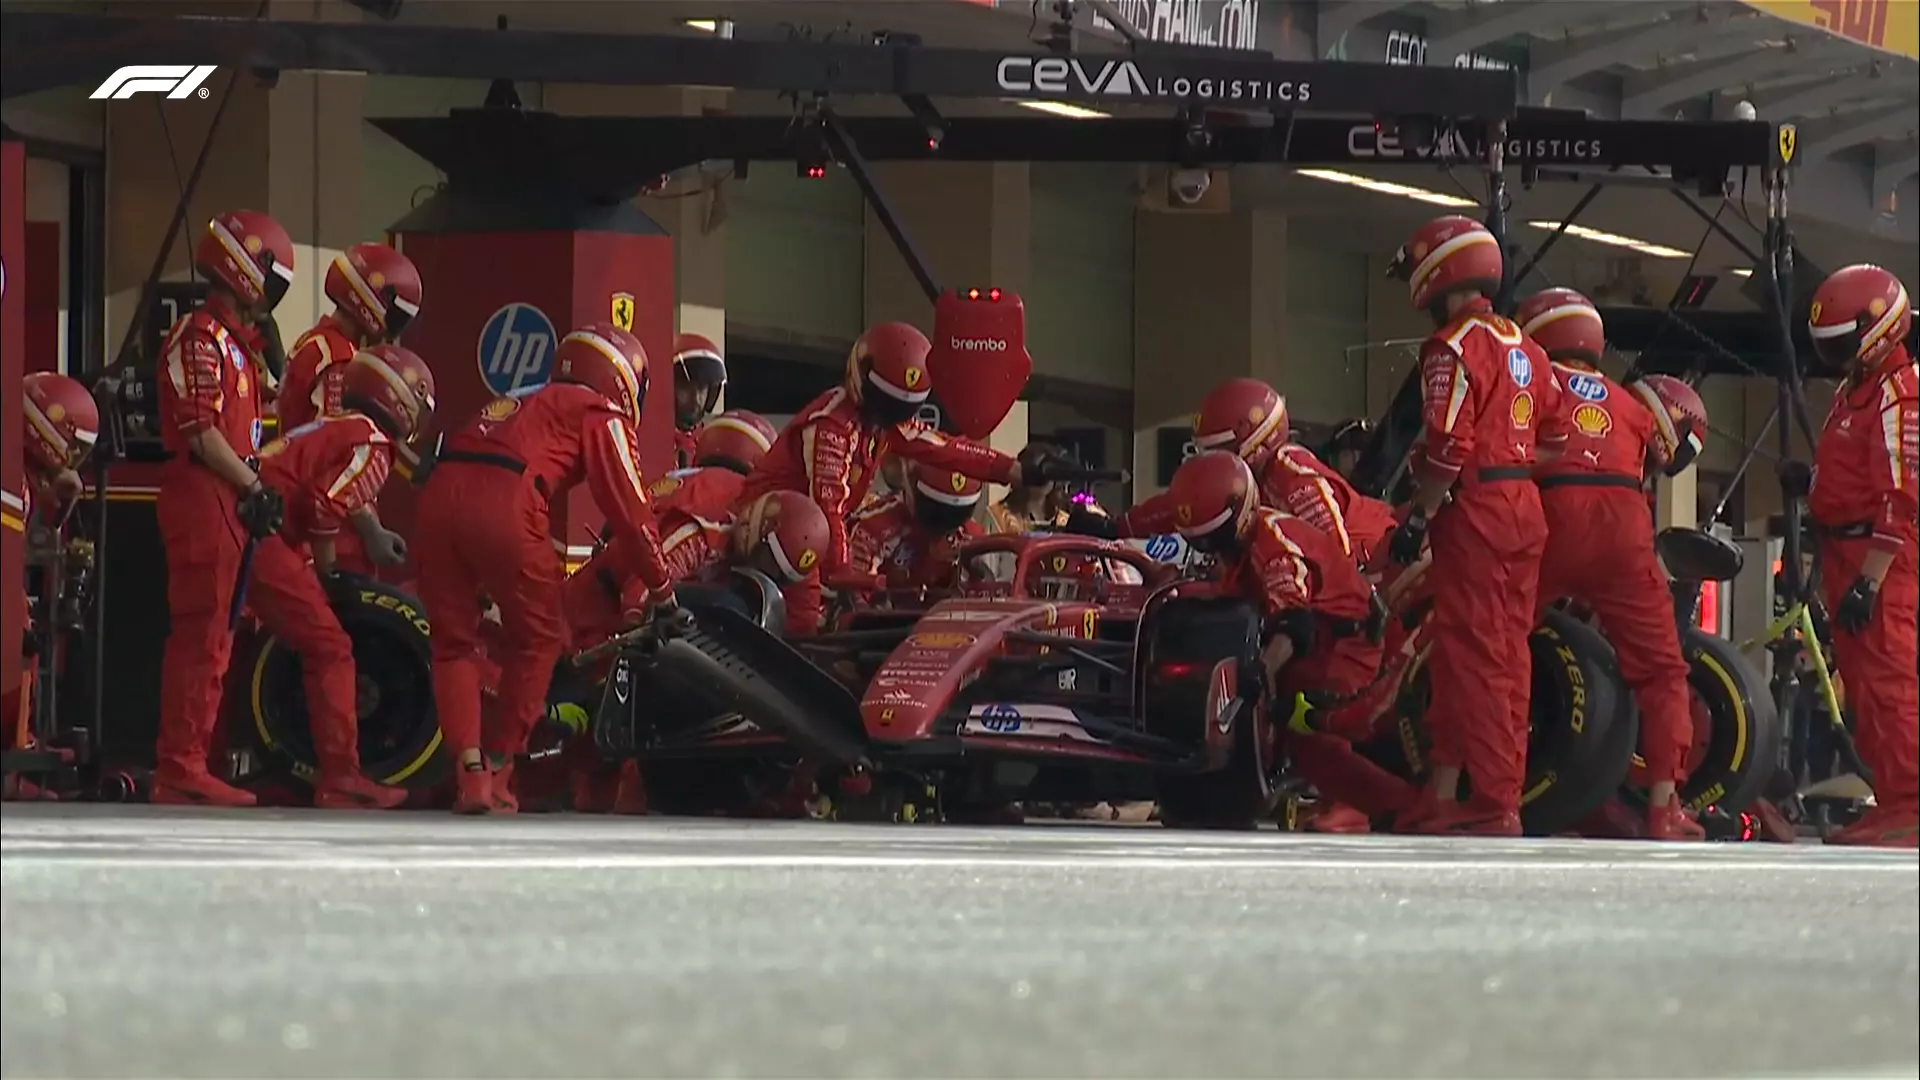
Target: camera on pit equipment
1189	186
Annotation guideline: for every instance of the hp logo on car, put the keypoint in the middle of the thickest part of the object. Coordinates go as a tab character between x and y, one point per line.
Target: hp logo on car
1166	548
516	349
1000	718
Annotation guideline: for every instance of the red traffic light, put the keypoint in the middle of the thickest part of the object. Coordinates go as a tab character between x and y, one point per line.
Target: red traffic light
991	294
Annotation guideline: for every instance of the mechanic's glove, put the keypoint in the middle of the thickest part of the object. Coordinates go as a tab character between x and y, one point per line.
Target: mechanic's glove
385	547
669	618
262	511
1044	463
1086	522
1403	547
1855	612
1796	478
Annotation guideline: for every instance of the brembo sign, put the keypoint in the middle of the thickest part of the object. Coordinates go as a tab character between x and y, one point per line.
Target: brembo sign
974	345
1053	75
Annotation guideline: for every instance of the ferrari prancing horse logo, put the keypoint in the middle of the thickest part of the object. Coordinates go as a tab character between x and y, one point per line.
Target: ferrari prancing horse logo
623	311
1789	142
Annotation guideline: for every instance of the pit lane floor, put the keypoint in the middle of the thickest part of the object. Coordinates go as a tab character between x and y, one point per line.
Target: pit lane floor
143	942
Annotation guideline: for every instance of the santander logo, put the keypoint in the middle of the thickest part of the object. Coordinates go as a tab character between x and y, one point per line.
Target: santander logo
978	344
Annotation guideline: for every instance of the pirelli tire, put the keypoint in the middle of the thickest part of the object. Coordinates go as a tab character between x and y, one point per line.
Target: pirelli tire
399	728
1583	728
1201	635
1737	728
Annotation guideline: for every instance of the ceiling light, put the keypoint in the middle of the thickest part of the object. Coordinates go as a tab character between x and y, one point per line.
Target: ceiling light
719	27
1745	271
1658	251
1384	187
1061	108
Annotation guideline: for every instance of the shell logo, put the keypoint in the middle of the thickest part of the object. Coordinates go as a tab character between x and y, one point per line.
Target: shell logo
1522	410
253	245
376	280
1592	420
499	408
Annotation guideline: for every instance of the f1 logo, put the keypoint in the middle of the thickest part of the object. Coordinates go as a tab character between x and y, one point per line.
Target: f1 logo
177	81
516	349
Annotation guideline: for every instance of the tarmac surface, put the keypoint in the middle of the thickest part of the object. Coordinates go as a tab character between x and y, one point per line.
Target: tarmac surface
146	942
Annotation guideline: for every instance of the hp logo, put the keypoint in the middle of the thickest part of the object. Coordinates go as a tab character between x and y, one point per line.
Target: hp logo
516	349
1167	548
1003	719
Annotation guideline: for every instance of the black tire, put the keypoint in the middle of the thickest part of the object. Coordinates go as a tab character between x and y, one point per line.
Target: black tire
1583	728
1197	635
1744	731
399	728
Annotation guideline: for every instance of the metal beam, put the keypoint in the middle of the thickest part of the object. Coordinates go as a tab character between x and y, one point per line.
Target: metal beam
1335	19
1649	93
1554	65
1812	99
1857	128
1456	35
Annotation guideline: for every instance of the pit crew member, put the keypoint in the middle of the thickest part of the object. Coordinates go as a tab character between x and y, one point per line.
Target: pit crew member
62	424
376	293
1486	386
328	469
832	448
726	450
1593	455
911	538
1027	507
1322	623
699	377
211	499
1248	418
484	528
1864	495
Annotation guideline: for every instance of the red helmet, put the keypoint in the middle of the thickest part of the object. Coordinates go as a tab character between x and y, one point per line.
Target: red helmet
377	287
944	500
1214	497
62	421
1449	255
1068	575
1565	324
736	439
1860	316
248	254
1241	416
606	359
887	371
790	528
697	365
393	386
1679	419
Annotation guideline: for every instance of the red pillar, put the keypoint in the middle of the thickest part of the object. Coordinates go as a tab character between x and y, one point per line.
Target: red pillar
13	263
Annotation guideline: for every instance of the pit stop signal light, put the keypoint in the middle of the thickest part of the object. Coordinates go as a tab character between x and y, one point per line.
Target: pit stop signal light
988	294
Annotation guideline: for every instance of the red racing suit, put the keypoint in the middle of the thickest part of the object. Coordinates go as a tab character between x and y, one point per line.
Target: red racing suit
1865	495
1486	387
1600	550
830	454
325	470
709	491
310	389
207	384
885	539
1288	564
1294	480
484	529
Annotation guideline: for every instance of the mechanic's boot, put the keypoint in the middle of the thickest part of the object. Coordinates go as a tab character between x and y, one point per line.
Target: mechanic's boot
195	787
1472	818
1425	807
353	791
1339	819
504	800
631	796
1672	822
1881	827
472	788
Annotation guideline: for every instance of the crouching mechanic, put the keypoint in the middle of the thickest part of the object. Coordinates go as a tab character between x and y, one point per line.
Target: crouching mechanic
1864	496
1248	418
1486	386
1322	623
699	377
1594	452
326	470
484	529
62	424
911	538
726	450
834	445
781	534
211	499
376	294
